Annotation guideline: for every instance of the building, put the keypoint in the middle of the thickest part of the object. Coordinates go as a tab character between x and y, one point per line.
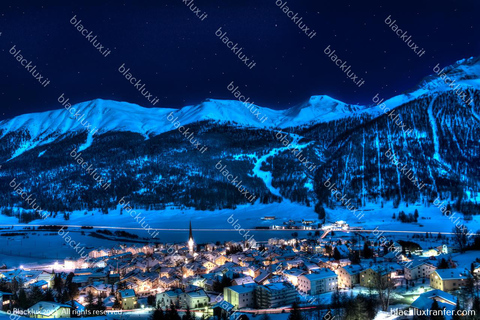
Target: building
275	295
418	269
444	300
128	299
323	281
348	276
196	299
242	296
191	242
5	299
447	279
47	309
164	299
369	276
293	275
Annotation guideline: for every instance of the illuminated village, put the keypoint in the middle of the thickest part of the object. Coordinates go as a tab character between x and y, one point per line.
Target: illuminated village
247	278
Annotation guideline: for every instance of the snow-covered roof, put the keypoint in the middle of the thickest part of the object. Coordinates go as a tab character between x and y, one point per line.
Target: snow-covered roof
243	288
46	308
450	274
324	273
127	293
444	299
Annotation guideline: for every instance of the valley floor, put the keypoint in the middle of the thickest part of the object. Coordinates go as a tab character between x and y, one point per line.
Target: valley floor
208	226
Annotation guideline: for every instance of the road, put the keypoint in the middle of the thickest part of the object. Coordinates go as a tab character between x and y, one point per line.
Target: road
231	229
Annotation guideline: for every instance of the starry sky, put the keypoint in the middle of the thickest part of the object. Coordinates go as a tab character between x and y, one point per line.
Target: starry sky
182	62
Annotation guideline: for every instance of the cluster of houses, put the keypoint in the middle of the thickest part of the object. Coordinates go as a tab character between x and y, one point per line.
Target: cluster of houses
272	275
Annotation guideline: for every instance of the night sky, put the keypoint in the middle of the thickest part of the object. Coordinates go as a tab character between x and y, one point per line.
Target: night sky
182	61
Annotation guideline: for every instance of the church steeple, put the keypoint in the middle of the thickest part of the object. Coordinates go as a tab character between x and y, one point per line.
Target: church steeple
191	242
190	235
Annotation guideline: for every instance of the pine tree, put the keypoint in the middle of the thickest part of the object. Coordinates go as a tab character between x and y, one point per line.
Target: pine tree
336	254
36	295
476	306
49	295
90	301
172	313
22	299
295	313
435	309
187	315
455	316
158	314
367	251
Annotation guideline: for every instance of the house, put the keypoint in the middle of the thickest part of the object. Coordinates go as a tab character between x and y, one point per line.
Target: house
209	265
47	277
98	253
275	295
96	289
196	299
444	300
128	299
263	277
447	279
242	296
44	309
164	299
5	298
323	281
418	269
369	276
293	275
42	284
348	276
242	280
221	260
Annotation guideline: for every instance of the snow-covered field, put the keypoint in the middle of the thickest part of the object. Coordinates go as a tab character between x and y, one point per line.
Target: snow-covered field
209	226
430	218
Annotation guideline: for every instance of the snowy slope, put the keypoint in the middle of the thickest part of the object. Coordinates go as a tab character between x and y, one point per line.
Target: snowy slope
42	128
107	116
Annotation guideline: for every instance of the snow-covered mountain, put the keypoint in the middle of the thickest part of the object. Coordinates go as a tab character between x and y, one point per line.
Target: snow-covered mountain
102	116
139	151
